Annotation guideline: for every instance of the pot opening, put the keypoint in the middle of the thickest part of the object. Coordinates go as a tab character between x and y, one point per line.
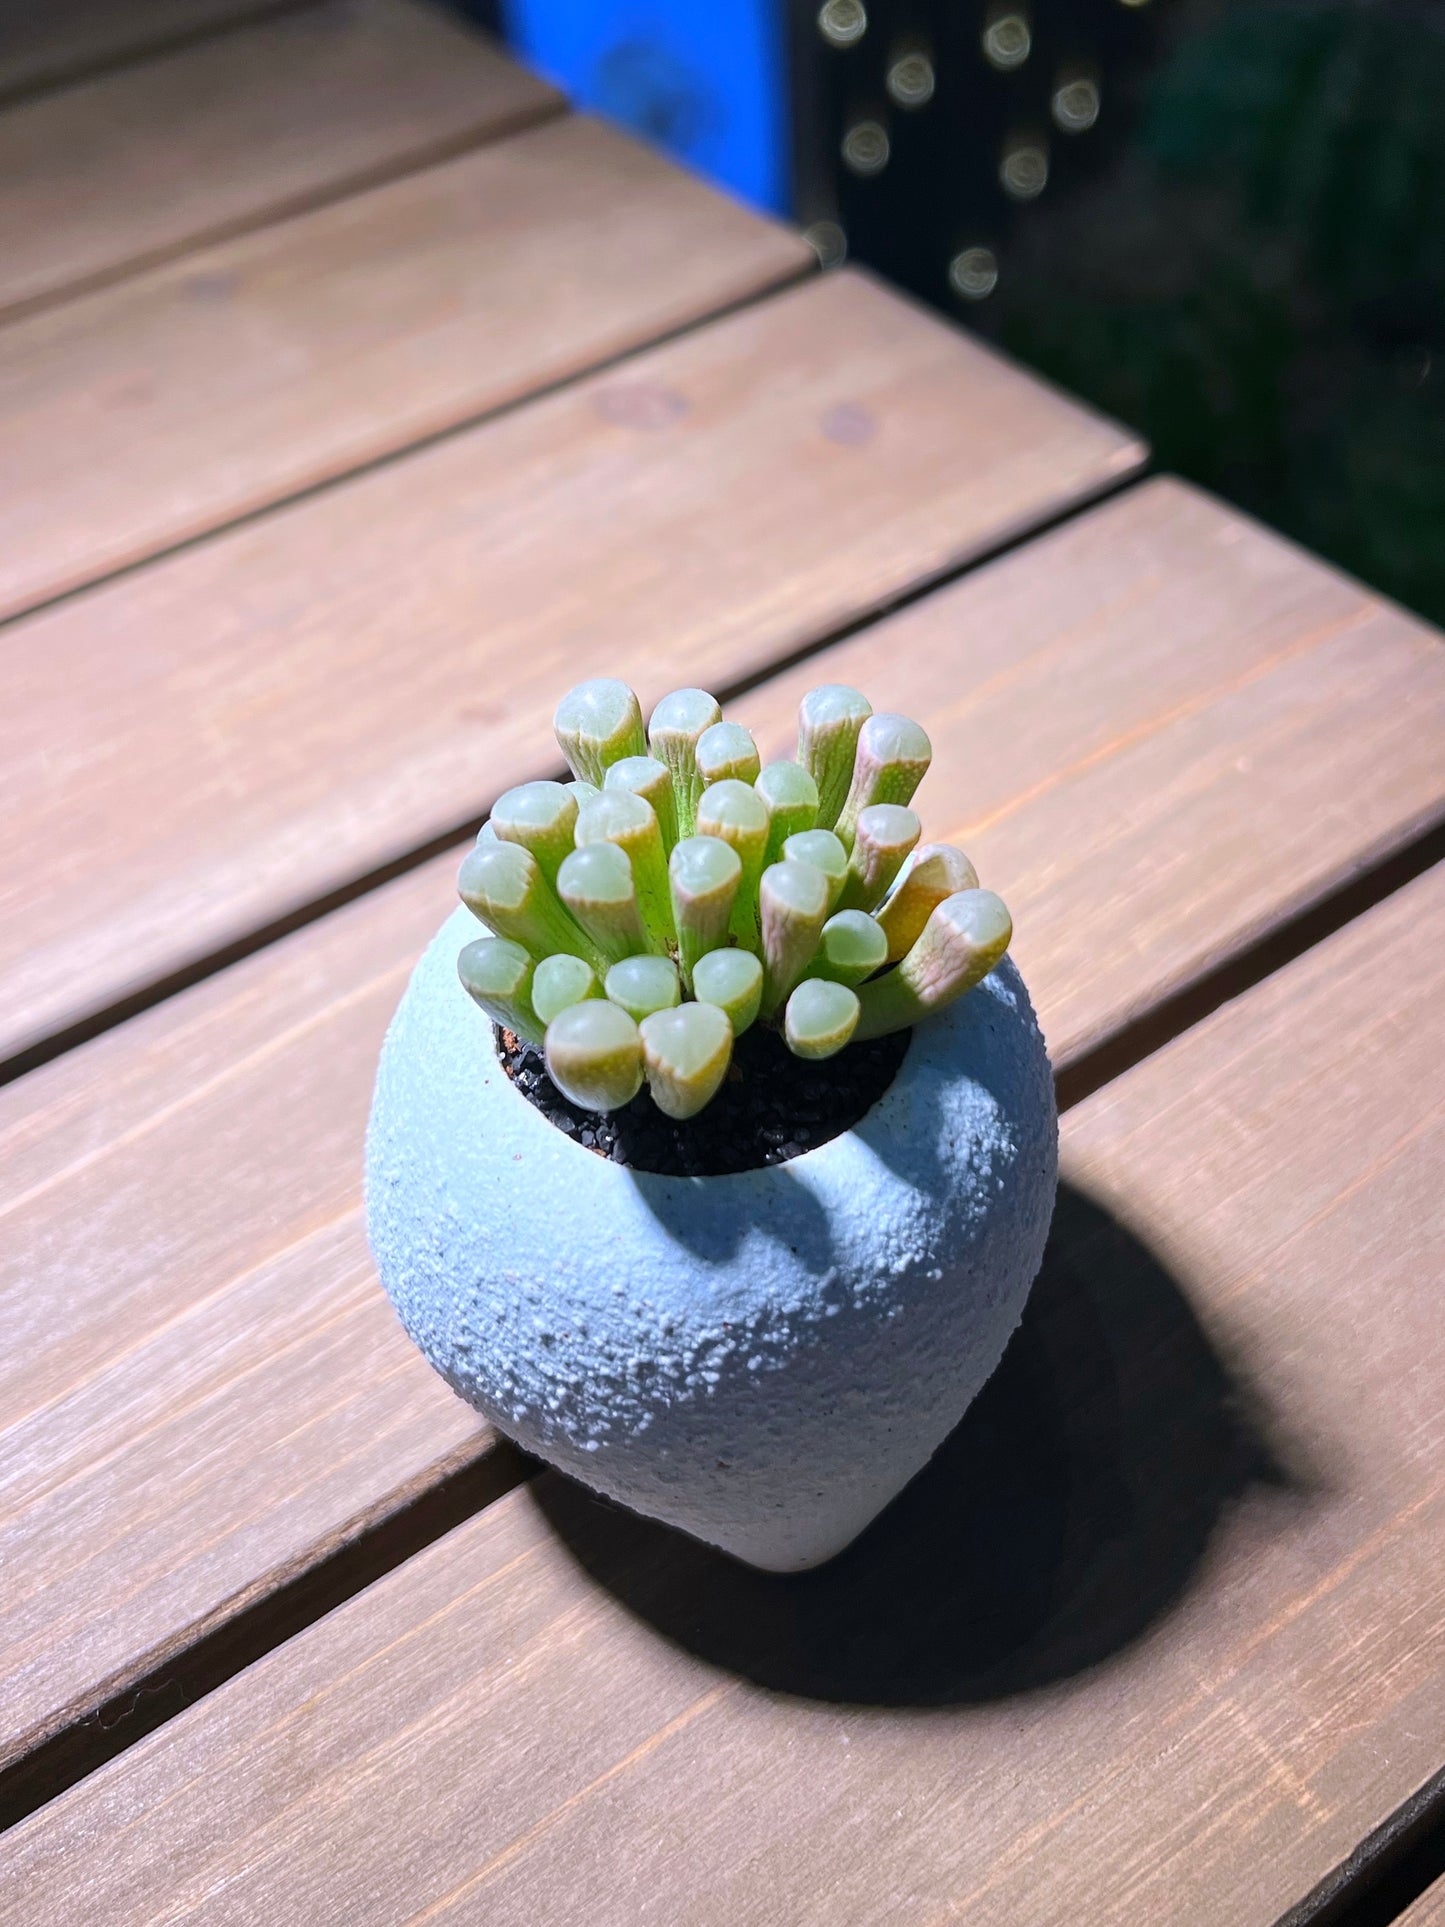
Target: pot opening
772	1106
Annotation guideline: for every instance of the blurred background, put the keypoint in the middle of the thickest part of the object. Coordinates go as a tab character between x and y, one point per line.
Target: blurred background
1222	221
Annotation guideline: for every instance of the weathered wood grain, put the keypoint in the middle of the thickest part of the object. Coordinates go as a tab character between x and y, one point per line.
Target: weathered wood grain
1169	679
100	177
1174	1660
199	1385
160	408
1428	1910
45	41
198	748
180	1251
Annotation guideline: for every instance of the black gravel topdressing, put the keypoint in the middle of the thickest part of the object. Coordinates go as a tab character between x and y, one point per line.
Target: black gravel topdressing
772	1106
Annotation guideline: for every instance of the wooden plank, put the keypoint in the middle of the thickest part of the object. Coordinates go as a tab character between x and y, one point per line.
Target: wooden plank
1162	1640
1155	680
178	1192
43	44
214	741
161	408
102	177
1428	1910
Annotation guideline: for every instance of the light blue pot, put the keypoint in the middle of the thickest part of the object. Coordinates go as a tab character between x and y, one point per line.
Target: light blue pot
763	1359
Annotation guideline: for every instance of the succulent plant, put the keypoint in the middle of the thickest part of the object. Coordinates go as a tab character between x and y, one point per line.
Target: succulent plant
644	915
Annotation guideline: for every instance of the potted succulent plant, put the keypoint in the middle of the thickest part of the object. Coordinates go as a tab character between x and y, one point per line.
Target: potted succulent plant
713	1147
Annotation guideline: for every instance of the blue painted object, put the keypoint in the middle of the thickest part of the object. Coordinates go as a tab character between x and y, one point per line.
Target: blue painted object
706	83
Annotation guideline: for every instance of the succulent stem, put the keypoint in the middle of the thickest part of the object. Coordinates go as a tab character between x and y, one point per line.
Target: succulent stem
965	936
541	817
596	885
558	983
703	874
733	980
793	901
497	973
598	723
852	948
686	1052
646	777
677	722
829	719
641	985
726	752
937	871
792	799
883	837
629	821
892	760
734	811
821	1018
823	850
503	884
594	1055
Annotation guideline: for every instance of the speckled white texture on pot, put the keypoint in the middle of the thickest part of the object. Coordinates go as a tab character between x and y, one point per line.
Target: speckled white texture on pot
762	1359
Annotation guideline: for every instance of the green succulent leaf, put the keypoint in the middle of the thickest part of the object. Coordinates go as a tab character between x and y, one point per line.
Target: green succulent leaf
686	1053
733	980
497	974
598	723
594	1055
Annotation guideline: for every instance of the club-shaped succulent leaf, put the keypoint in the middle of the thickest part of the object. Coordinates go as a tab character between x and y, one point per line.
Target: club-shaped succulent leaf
853	946
647	912
686	1053
793	904
726	752
498	974
598	723
821	1018
541	817
594	1055
883	837
595	883
792	799
937	871
558	983
629	821
646	777
734	811
891	761
733	980
703	874
677	722
965	936
829	719
641	985
503	884
823	850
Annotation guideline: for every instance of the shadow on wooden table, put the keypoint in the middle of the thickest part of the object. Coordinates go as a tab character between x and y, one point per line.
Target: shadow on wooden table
1065	1514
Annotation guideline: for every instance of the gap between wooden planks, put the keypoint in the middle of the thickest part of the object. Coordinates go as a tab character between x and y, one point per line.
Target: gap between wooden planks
114	173
1160	1637
151	412
204	1387
204	746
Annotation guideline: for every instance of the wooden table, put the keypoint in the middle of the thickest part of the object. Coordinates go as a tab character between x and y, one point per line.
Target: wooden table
355	398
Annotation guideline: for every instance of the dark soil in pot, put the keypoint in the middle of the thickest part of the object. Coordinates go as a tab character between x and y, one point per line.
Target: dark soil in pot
772	1106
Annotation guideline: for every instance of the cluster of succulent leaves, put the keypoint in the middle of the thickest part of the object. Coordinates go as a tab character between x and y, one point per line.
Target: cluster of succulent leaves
678	891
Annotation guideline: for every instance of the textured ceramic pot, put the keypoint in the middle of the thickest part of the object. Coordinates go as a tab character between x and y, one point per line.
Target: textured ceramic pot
762	1359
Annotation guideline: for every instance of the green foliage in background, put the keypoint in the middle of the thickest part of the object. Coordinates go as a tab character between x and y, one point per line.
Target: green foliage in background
1258	281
